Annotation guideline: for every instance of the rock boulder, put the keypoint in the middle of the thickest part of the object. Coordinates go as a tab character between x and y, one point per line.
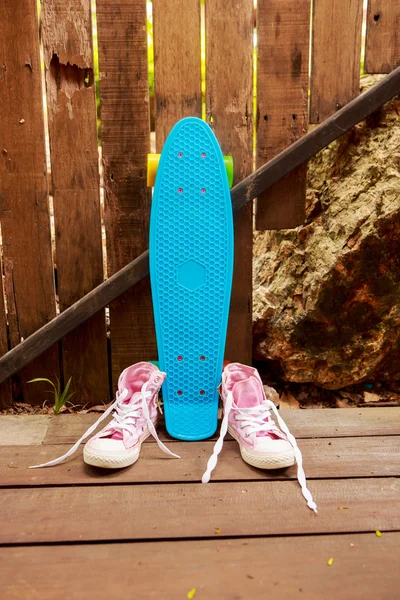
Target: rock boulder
327	294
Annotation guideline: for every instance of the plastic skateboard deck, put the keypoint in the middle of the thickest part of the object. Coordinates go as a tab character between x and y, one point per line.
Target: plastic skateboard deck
191	264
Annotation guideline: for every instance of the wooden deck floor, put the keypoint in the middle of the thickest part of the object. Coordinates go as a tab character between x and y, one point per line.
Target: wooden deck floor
154	532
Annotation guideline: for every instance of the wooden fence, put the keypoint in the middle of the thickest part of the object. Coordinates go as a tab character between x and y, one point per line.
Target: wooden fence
48	262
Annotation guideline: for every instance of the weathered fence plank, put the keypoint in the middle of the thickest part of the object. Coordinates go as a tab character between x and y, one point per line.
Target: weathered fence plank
125	136
382	48
282	104
24	211
336	55
68	55
229	105
243	193
177	75
5	387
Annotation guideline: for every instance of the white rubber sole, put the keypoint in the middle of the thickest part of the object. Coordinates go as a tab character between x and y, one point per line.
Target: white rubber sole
110	462
276	460
113	460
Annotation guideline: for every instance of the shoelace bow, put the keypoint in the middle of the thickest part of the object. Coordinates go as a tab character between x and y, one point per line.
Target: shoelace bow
256	422
125	417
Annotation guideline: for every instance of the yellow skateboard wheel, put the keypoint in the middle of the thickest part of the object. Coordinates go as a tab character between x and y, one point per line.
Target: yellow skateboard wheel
152	166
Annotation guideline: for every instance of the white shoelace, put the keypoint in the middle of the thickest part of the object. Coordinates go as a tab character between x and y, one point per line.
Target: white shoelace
256	422
124	418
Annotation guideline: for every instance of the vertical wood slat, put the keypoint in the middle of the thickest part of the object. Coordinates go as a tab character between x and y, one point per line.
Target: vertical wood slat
68	54
382	48
282	104
125	136
177	71
5	387
336	55
229	105
24	210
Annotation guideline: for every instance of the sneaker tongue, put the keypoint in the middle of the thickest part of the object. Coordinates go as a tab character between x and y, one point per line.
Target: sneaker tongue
117	435
133	398
247	393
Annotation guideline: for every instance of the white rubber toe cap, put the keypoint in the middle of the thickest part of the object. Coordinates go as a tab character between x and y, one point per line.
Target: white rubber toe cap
109	454
269	454
266	444
104	445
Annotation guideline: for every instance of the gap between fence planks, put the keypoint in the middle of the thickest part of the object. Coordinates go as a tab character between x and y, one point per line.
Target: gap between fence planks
229	107
71	103
177	73
334	458
335	56
125	136
279	568
290	158
282	104
25	223
382	47
195	510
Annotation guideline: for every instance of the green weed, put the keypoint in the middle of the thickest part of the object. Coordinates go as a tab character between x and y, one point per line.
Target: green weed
60	398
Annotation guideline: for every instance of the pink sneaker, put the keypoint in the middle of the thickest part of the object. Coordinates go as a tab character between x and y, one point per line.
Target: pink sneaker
135	415
247	417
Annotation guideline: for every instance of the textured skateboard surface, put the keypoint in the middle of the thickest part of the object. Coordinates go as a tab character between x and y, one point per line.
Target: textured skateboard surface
191	263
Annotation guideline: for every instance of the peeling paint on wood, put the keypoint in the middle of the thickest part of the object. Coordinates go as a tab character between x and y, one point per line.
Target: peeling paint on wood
67	46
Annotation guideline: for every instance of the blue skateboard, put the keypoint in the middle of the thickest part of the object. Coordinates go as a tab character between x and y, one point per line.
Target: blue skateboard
191	264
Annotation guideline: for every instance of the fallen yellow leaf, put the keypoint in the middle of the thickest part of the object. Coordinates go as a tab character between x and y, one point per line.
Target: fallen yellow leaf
370	397
330	562
191	594
378	533
218	530
343	507
288	401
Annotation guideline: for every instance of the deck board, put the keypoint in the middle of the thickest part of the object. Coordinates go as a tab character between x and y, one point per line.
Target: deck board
324	458
325	422
278	568
318	423
145	512
76	532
